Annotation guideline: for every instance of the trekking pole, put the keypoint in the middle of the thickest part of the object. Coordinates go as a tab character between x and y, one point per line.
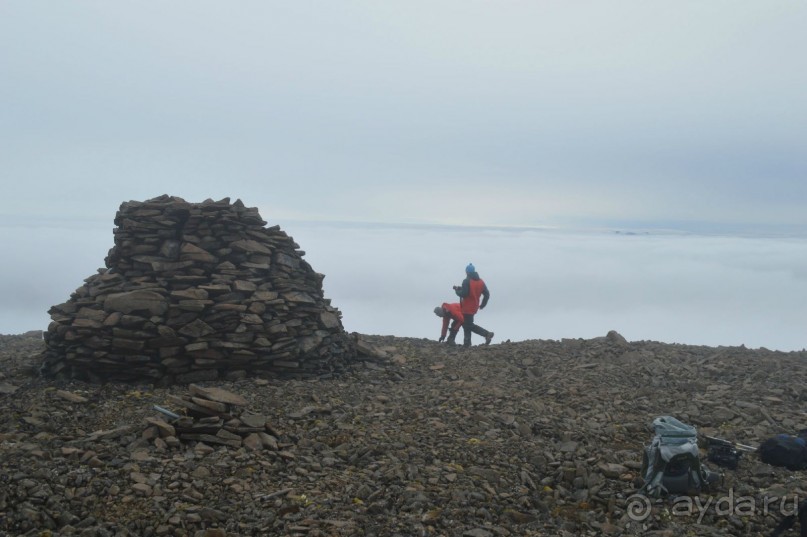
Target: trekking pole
722	441
166	412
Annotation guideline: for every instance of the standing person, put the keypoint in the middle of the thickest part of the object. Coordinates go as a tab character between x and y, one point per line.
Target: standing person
472	289
450	312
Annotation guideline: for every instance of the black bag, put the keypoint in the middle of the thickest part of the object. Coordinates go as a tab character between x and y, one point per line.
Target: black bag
790	520
724	454
784	450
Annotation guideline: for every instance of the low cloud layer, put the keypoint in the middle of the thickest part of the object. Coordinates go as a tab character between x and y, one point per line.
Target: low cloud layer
688	289
552	285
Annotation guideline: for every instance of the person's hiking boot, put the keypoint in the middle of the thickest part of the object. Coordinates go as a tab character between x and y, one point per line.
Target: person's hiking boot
488	338
452	336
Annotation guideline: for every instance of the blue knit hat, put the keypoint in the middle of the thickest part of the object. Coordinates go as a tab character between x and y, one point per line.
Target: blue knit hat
470	268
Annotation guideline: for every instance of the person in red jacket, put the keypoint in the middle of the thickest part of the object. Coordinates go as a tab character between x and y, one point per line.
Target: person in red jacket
473	289
450	312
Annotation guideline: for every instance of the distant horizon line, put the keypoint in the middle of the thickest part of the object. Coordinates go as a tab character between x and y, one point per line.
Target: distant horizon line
617	228
624	227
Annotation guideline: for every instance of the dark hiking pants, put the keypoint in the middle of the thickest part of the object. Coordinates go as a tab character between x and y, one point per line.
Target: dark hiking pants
469	327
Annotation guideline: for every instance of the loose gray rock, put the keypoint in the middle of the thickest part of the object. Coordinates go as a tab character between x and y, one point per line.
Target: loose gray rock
536	438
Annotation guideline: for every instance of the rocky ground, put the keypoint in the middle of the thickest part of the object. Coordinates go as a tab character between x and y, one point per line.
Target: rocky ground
416	439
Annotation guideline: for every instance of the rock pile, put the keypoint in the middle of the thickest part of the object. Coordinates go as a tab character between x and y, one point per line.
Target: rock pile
195	292
214	416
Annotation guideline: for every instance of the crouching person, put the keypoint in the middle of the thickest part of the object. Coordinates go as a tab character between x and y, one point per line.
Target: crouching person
449	313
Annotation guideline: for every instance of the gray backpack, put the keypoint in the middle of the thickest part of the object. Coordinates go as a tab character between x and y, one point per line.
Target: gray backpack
671	463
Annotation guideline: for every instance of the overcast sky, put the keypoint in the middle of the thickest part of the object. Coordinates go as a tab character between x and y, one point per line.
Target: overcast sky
687	115
461	112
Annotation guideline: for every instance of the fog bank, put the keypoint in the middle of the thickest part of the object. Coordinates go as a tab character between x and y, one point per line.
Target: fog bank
545	284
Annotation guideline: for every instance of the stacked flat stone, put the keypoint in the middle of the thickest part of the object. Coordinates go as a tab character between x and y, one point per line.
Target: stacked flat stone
193	292
213	416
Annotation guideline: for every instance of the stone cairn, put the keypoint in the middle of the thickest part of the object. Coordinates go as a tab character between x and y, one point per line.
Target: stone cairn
213	416
194	292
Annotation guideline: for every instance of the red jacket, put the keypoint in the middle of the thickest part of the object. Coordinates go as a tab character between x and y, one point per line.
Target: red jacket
455	313
473	288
